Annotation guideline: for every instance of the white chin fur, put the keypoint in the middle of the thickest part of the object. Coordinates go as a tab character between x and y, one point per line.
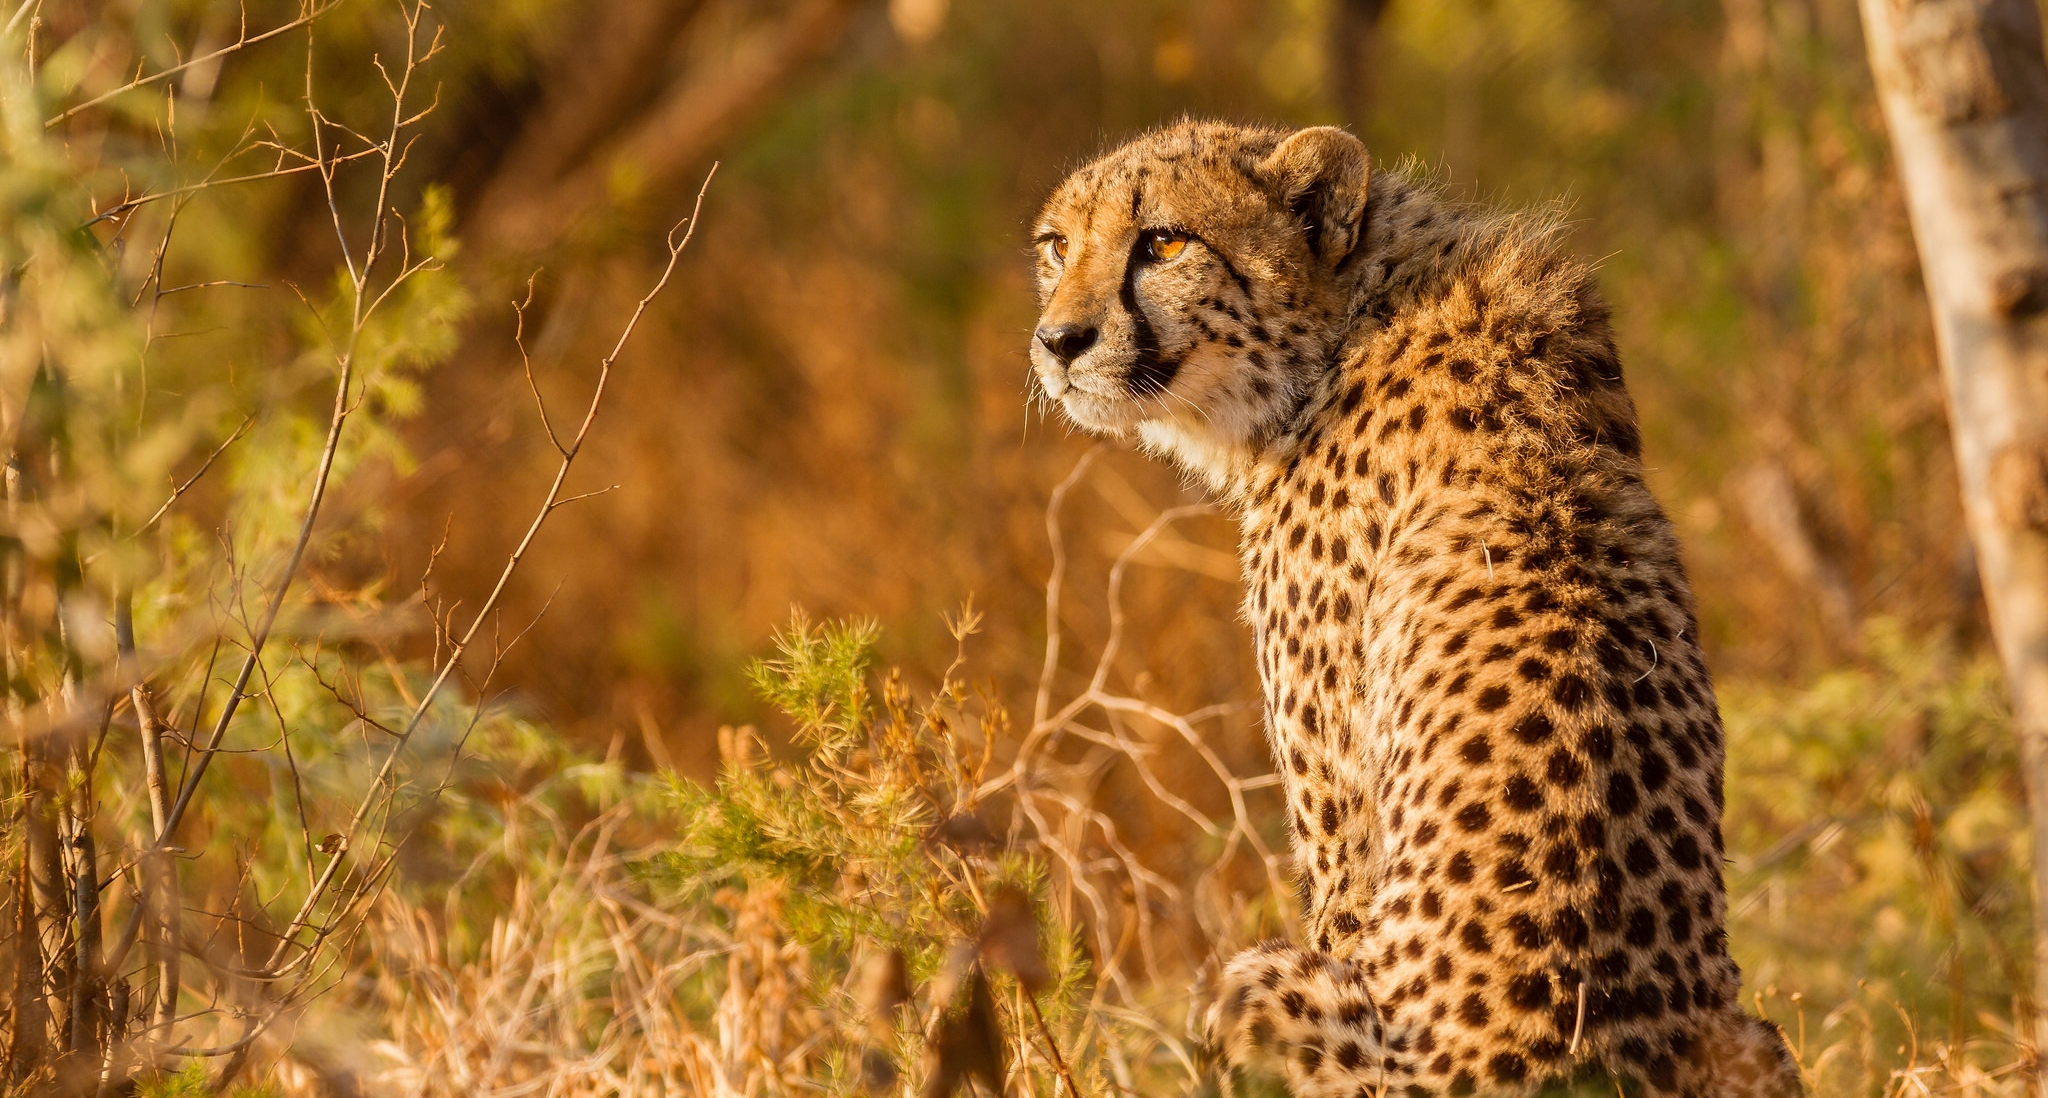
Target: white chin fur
1216	461
1199	427
1101	415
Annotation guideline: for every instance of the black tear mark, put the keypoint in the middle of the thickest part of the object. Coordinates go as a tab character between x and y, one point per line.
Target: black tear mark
1151	372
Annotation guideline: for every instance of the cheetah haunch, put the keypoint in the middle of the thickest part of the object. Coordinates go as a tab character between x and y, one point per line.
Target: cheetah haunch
1483	682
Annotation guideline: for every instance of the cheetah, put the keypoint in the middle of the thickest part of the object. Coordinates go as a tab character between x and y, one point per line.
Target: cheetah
1483	687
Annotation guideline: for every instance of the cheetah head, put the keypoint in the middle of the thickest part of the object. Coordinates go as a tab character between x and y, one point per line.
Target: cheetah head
1192	282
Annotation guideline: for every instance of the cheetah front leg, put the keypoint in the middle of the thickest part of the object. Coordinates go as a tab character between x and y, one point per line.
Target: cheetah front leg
1304	1016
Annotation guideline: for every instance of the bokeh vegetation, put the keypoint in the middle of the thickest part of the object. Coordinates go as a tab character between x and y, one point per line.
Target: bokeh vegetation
613	853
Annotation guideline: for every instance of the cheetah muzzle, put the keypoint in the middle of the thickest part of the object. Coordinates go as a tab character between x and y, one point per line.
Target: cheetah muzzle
1501	752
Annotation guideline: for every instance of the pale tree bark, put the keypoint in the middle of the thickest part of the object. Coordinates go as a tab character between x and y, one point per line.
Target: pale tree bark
1964	88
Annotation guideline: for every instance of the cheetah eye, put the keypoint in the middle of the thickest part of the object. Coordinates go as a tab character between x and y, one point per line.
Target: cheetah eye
1056	246
1164	244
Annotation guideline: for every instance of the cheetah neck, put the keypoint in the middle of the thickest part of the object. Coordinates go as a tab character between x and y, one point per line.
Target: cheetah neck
1415	241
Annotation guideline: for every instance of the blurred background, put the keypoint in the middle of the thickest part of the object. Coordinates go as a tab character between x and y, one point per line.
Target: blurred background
831	409
828	408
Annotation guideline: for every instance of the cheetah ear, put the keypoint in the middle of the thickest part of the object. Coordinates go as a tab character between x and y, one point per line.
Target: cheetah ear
1321	174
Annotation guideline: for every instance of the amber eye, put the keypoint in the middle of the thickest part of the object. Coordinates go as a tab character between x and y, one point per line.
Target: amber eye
1057	246
1162	244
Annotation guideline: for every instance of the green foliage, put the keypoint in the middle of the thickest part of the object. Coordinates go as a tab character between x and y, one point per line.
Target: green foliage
190	1082
193	1081
872	828
1881	833
821	680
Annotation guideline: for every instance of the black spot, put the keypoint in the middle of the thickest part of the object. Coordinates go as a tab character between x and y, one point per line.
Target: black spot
1622	797
1640	859
1655	770
1476	750
1459	868
1571	693
1645	694
1533	670
1569	928
1512	876
1473	1011
1529	992
1474	937
1642	927
1685	852
1527	932
1491	699
1679	922
1345	922
1533	728
1523	795
1473	817
1662	1073
1564	771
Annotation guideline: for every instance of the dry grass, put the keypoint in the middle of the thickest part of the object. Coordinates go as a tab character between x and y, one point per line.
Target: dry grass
593	978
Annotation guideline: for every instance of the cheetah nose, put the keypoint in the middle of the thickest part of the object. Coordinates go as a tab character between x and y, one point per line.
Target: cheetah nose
1067	341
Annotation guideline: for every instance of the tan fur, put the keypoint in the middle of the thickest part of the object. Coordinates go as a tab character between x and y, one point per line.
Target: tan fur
1483	681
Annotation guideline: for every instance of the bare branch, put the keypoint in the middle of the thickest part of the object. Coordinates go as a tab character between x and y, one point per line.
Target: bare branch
245	41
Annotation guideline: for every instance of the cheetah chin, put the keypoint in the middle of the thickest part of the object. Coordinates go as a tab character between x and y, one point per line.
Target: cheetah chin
1500	747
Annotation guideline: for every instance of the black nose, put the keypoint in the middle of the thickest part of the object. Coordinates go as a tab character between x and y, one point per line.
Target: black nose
1067	341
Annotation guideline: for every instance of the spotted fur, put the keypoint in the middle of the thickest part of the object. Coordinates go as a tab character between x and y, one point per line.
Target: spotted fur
1483	683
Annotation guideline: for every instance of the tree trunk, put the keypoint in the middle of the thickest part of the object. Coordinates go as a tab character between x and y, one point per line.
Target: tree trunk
1349	56
49	884
1964	88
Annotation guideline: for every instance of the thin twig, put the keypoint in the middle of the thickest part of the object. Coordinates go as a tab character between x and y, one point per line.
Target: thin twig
449	662
240	43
